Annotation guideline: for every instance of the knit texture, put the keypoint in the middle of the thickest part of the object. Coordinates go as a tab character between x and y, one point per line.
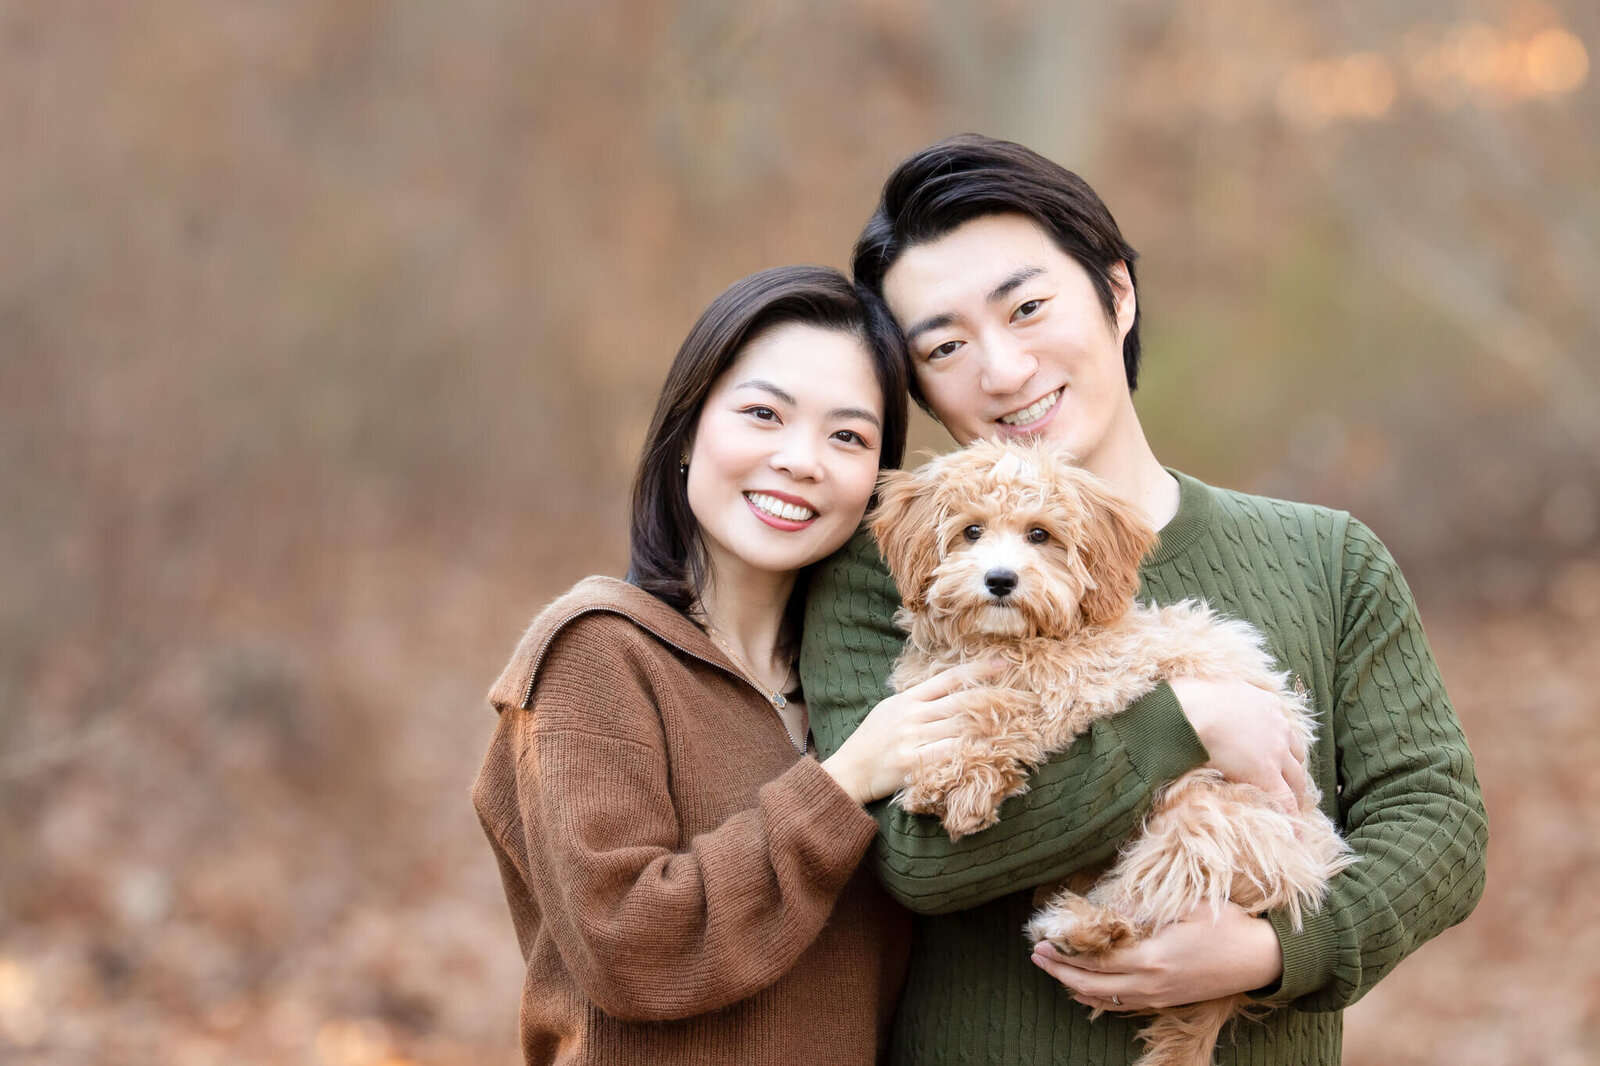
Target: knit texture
1391	761
685	888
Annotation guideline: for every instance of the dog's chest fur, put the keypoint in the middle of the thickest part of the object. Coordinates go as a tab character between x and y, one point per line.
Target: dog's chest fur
1089	672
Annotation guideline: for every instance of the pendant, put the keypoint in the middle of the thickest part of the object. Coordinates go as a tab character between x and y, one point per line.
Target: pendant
778	701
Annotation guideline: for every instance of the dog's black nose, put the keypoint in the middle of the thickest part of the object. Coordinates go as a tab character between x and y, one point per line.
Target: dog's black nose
1000	582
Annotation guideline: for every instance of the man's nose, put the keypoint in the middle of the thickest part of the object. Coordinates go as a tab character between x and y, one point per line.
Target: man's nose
1007	364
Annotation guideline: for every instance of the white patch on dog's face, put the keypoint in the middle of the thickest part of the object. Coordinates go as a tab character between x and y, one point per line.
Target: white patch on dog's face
1023	549
995	555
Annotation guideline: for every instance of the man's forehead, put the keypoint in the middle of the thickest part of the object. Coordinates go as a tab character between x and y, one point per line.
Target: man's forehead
979	260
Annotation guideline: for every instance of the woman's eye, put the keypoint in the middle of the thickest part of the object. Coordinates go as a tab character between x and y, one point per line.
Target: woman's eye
1028	307
972	532
850	436
765	414
1038	536
947	348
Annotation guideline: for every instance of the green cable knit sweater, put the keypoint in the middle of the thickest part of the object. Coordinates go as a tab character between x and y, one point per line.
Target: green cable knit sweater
1393	766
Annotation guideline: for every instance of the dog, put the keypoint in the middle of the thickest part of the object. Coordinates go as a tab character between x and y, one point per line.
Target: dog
1009	550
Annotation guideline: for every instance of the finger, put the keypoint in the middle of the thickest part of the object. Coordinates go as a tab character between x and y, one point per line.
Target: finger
1108	1005
1069	976
1109	963
959	705
1294	775
955	679
1091	989
938	752
1285	800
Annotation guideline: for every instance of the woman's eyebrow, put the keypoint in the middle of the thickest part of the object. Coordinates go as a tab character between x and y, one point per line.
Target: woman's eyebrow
855	412
838	412
767	386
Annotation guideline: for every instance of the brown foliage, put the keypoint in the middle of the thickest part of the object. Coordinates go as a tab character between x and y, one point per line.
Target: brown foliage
328	333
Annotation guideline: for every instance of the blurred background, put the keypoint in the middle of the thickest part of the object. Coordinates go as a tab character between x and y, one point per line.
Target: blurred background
329	332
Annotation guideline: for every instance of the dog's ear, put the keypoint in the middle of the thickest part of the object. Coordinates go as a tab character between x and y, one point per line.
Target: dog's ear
1116	538
906	526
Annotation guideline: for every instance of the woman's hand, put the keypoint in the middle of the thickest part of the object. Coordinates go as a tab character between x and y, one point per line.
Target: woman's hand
1247	735
1190	961
920	725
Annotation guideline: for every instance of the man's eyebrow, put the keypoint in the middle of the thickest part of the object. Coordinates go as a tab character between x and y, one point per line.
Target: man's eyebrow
927	325
767	386
999	292
1004	289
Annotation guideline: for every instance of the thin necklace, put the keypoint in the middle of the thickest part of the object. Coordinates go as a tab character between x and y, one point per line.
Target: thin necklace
778	700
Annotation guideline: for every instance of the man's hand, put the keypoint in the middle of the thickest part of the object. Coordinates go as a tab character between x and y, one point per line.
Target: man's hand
1190	961
1247	735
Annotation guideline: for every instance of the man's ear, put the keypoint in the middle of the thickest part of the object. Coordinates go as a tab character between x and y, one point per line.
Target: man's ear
1116	538
905	524
1124	301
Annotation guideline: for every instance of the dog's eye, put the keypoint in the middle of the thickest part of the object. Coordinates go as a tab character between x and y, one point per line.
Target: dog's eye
1038	535
972	532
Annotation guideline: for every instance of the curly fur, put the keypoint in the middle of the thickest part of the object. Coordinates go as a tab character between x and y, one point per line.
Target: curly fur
1079	648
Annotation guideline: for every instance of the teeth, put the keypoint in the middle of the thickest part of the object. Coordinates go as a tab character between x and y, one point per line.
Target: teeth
1033	412
779	509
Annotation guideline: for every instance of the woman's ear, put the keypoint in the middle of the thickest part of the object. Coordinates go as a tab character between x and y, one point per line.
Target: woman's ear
905	524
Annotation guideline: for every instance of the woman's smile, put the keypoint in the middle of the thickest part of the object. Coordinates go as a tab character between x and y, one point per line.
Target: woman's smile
780	510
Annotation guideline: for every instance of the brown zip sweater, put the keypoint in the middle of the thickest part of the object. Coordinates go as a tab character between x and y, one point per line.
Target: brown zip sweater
684	886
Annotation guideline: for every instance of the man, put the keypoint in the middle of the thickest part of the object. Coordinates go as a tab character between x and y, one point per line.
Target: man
1017	296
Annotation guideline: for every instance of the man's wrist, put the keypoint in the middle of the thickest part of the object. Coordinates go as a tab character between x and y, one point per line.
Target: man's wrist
1160	741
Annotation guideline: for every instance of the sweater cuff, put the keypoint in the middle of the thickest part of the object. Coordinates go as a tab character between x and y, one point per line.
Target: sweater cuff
1308	956
837	830
1158	738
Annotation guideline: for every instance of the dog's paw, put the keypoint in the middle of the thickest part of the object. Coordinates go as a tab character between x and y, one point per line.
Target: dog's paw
972	805
1075	926
964	821
920	798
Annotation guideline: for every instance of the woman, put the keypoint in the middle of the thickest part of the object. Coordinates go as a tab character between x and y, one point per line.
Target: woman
681	873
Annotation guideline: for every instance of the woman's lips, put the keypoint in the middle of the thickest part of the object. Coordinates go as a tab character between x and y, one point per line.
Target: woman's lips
781	510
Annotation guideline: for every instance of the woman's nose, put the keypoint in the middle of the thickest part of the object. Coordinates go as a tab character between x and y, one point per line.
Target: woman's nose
798	456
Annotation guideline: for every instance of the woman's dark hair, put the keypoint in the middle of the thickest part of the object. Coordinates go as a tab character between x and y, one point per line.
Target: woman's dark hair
667	556
962	178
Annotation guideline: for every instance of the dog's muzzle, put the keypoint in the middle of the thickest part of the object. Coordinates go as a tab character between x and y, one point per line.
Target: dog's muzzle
1000	583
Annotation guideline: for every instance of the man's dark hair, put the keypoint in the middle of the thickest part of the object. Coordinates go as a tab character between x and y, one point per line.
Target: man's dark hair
962	178
667	555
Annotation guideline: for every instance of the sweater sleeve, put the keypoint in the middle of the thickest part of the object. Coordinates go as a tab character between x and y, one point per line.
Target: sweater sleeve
653	926
1408	796
1079	806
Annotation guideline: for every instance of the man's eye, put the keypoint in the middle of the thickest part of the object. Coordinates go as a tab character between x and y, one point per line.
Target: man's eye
947	348
972	532
1037	535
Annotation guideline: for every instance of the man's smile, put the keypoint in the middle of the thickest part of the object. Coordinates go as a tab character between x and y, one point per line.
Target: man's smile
1032	413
